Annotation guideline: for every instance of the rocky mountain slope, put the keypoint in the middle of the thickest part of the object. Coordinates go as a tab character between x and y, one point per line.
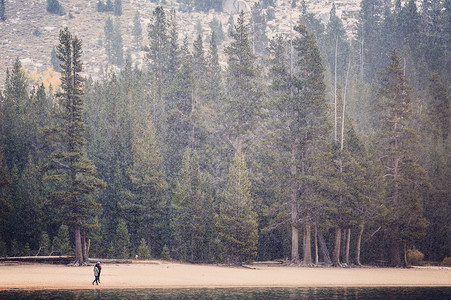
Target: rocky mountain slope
30	32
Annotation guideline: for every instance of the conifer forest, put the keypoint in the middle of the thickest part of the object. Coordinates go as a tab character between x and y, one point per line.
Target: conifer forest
316	146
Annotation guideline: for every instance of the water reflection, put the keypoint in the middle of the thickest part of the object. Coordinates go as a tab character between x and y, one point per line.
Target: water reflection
245	293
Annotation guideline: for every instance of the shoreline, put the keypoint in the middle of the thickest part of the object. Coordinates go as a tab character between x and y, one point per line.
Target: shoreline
171	275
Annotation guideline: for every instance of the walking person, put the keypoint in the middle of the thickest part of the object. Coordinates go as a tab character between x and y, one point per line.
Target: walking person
100	269
96	274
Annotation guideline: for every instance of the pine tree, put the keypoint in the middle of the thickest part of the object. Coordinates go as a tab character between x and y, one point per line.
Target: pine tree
237	222
189	209
117	8
113	42
438	108
143	250
397	143
69	173
368	36
2	10
108	43
54	61
299	123
5	204
122	240
244	103
214	78
217	30
137	31
109	6
54	7
29	204
158	60
61	242
259	39
101	6
44	243
144	205
15	130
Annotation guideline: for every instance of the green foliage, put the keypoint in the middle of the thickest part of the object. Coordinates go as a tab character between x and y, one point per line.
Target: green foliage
113	42
37	32
237	222
27	249
216	28
406	181
14	248
414	257
54	7
258	29
44	243
165	253
446	262
54	61
61	241
70	175
2	10
137	30
121	241
143	250
243	107
117	8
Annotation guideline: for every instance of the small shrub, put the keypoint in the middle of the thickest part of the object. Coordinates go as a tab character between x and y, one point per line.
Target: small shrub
143	250
447	261
37	32
54	7
165	254
414	257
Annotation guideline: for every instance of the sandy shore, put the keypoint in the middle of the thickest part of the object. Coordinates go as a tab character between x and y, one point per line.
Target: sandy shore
158	274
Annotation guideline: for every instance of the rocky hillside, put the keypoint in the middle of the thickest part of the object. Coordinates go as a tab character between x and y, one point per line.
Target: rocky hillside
30	32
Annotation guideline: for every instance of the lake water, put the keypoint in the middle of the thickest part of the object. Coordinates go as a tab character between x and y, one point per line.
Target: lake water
242	293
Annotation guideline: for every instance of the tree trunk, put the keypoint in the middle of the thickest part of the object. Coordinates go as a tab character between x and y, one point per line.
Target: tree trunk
395	257
294	244
307	244
294	211
83	245
316	245
348	242
324	250
78	247
343	245
359	241
87	250
336	256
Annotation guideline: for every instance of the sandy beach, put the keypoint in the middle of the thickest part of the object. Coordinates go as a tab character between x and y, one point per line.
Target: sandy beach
157	274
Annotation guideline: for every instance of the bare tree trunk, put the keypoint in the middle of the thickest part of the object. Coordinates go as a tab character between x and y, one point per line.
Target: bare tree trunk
359	241
294	211
294	244
83	245
149	244
78	247
343	245
87	249
395	258
335	90
316	245
348	242
324	250
337	246
308	244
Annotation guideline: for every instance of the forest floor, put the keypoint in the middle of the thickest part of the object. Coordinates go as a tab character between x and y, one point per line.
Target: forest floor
159	274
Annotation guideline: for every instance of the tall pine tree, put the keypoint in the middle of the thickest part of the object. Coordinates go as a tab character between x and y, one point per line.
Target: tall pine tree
70	174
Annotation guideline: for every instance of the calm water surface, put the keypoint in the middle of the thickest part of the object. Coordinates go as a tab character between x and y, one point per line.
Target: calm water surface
245	293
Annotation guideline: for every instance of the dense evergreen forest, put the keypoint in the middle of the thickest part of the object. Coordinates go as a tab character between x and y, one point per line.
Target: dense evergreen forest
312	147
